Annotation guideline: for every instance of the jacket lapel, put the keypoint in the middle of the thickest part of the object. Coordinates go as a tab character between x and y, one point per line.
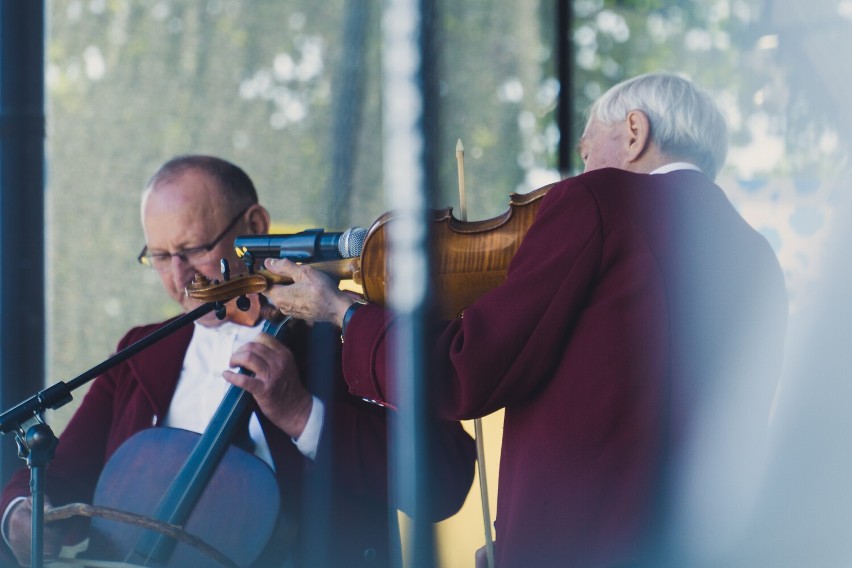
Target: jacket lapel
158	368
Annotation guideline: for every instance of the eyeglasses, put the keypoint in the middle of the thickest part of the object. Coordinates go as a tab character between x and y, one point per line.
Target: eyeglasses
162	261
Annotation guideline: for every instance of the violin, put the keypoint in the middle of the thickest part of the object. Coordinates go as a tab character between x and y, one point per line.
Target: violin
470	258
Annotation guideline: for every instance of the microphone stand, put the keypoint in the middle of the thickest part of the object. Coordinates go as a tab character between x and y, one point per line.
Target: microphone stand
37	442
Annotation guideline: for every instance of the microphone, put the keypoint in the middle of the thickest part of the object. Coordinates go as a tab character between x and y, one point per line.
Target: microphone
312	245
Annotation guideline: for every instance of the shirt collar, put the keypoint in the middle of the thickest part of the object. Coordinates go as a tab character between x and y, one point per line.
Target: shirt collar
227	328
674	166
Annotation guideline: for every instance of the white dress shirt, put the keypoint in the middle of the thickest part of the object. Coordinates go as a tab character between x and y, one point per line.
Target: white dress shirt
201	387
674	166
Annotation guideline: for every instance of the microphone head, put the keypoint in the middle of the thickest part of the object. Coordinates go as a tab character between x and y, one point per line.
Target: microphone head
351	242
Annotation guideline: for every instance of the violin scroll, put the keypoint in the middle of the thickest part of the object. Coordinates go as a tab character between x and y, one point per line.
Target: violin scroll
206	290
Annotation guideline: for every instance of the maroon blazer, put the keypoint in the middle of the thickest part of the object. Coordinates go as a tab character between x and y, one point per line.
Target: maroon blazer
630	301
348	480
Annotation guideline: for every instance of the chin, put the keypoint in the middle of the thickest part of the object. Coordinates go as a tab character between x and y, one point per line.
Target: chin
210	320
189	304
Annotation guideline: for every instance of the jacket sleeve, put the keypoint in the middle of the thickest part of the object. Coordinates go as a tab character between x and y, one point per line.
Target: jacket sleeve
507	343
354	447
73	472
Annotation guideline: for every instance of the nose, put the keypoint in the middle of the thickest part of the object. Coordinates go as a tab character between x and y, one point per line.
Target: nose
182	272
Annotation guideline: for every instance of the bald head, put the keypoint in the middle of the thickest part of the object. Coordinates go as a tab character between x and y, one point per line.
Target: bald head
228	182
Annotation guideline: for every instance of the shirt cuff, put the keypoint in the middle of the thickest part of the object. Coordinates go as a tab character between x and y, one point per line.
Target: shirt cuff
3	528
308	442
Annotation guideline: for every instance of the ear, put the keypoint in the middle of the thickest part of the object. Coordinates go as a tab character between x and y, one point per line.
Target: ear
639	134
258	220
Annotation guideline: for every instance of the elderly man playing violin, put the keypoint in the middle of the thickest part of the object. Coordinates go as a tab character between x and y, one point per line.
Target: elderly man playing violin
634	345
326	440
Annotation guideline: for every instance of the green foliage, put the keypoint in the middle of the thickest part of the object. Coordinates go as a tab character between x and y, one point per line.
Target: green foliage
132	83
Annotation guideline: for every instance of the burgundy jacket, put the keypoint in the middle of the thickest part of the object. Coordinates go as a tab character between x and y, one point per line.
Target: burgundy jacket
348	478
631	301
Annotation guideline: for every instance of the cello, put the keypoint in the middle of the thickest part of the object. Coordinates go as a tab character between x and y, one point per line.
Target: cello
177	492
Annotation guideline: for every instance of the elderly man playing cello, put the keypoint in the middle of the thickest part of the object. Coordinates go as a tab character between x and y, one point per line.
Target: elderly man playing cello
640	316
192	209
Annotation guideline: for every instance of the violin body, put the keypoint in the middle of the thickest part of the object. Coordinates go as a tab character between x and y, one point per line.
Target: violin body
470	257
235	514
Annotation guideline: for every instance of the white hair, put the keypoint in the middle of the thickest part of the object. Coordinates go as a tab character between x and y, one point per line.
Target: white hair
685	122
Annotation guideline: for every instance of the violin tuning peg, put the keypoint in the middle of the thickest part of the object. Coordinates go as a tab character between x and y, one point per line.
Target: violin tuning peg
243	303
226	269
220	310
